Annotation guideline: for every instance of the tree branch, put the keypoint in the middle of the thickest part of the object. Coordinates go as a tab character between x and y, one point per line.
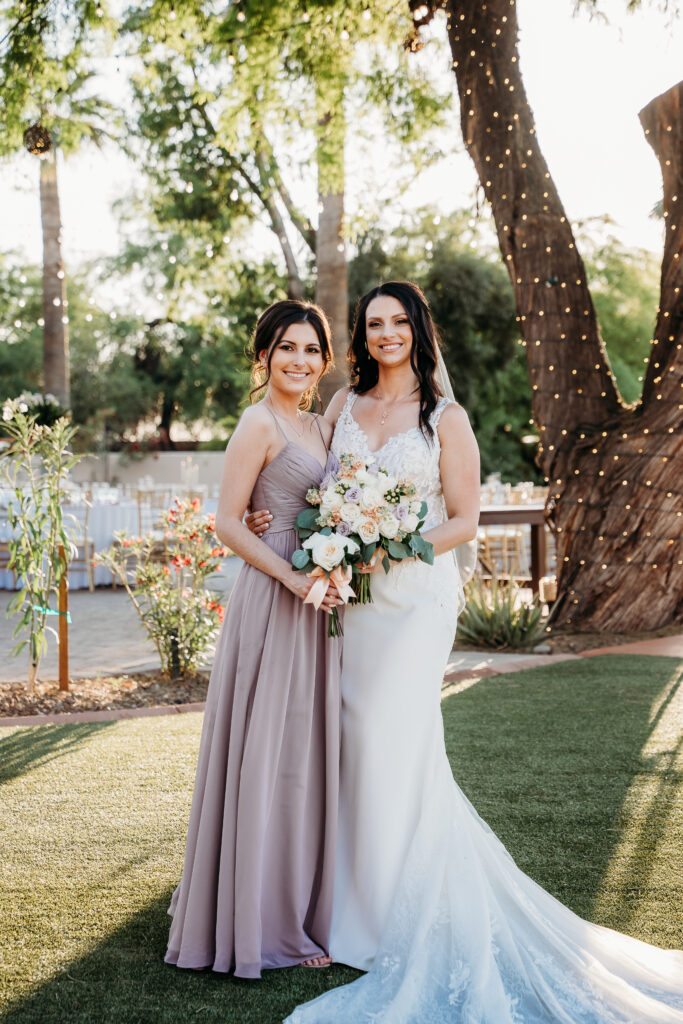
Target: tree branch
264	194
299	220
570	378
662	121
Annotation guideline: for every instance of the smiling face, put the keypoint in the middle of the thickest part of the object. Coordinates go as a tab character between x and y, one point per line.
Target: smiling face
388	332
296	361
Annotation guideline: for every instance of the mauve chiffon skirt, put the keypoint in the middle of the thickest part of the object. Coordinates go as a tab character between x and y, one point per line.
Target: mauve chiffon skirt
257	882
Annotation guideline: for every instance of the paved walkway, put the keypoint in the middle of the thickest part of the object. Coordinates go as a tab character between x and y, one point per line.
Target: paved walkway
106	636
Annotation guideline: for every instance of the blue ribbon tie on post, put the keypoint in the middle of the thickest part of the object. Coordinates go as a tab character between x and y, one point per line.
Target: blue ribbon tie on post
51	611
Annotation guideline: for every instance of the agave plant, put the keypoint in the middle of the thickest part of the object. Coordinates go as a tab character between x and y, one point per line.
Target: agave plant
496	618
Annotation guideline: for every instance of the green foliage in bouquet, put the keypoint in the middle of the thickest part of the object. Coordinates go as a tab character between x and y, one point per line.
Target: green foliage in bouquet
165	575
495	618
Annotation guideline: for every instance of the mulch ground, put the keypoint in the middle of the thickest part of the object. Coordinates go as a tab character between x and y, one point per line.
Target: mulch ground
104	693
574	643
152	689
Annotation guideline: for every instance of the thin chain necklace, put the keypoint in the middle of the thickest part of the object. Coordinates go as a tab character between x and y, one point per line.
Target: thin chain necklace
385	413
299	433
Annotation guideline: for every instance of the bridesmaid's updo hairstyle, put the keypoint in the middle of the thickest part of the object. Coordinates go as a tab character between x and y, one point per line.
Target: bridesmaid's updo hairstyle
270	327
423	356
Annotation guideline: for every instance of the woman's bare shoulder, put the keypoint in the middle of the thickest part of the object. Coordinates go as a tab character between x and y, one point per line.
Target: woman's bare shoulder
453	423
337	404
256	421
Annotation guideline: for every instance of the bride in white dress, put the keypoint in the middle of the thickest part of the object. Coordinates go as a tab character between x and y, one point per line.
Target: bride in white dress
427	900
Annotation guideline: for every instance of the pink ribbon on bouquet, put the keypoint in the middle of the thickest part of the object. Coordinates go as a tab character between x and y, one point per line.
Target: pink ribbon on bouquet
339	576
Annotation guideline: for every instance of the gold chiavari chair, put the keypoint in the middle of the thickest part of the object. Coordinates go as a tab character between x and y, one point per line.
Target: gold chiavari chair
503	551
85	546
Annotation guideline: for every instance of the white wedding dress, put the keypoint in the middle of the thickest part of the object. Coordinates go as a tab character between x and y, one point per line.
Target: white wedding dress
427	900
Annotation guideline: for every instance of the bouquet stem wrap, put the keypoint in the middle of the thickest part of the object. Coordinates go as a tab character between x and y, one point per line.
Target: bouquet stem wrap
341	577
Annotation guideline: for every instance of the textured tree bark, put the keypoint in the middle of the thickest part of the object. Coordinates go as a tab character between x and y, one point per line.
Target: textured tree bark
56	377
332	288
331	291
614	470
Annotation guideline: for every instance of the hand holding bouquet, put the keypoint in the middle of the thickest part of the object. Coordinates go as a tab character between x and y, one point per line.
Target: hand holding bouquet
360	513
325	556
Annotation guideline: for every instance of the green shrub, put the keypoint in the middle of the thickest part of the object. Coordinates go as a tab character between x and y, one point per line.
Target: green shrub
164	574
495	618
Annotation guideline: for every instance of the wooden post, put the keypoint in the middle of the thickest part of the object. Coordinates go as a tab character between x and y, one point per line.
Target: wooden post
63	626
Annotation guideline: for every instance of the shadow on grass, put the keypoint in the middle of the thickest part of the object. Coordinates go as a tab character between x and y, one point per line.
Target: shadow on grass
548	759
29	747
125	979
634	873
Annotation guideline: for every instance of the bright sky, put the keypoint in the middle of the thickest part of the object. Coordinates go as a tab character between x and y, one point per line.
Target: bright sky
586	82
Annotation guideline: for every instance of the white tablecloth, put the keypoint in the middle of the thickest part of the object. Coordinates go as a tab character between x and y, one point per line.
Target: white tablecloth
103	521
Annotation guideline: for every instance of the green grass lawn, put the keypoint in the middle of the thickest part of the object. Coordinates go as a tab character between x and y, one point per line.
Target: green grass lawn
578	769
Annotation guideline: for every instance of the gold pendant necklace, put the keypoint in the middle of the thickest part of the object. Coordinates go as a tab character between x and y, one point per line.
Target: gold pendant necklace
385	413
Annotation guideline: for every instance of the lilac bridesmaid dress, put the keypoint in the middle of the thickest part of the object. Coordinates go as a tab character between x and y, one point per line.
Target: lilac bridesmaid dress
257	883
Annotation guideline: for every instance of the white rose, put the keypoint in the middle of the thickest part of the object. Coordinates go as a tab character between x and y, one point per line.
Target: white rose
363	477
350	513
331	501
389	528
326	551
409	524
368	531
370	498
415	506
386	482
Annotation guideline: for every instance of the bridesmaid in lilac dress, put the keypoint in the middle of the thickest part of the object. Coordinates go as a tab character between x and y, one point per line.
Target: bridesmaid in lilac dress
257	882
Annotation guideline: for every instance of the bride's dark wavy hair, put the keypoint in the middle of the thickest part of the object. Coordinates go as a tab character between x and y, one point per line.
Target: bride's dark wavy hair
423	355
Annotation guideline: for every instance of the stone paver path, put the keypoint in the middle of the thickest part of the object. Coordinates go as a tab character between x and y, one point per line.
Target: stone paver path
106	637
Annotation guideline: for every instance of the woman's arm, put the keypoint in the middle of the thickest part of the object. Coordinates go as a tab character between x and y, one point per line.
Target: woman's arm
459	466
245	457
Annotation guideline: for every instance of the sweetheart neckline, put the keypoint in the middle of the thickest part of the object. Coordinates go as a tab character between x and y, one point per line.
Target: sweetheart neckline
401	433
287	444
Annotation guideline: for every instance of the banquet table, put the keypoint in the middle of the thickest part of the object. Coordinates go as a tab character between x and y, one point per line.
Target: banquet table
533	515
104	520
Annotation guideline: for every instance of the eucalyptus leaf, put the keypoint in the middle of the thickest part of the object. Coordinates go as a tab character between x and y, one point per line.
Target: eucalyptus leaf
300	559
308	519
398	550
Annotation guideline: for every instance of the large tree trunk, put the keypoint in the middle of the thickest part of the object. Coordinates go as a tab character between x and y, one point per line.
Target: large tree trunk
614	470
56	377
332	288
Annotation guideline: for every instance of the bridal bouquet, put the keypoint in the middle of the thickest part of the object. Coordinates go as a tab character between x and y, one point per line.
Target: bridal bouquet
359	513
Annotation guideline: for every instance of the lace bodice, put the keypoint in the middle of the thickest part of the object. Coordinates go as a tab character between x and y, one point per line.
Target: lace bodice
407	454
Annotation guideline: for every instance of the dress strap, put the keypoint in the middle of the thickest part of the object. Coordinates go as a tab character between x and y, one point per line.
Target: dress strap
442	404
350	399
277	423
322	437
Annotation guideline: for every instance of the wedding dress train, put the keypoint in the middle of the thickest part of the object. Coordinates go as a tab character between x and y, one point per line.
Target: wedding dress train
426	898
